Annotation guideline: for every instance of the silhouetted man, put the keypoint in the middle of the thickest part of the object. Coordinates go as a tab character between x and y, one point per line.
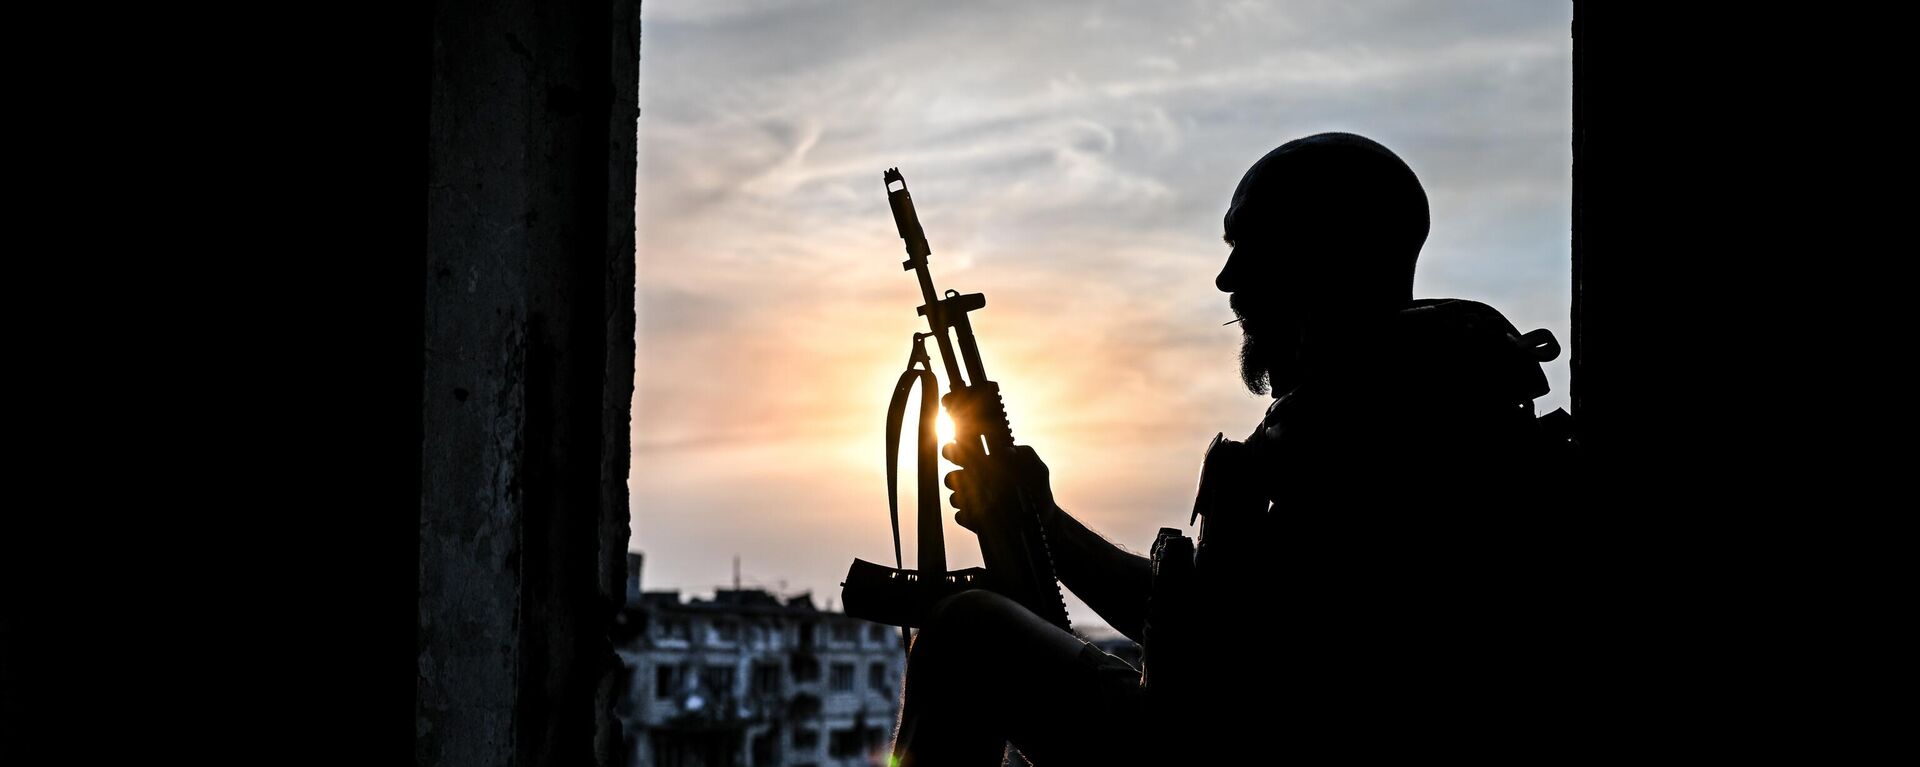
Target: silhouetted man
1370	583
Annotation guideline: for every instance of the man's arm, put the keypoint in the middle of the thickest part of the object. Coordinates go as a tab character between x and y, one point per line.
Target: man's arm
1111	580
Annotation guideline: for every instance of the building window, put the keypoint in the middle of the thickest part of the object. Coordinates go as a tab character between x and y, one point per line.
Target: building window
844	743
806	737
727	631
803	708
666	681
718	679
765	746
806	669
842	680
673	628
842	632
877	634
766	678
877	677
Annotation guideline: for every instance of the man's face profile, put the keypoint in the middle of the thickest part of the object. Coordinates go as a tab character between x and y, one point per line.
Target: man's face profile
1325	231
1270	322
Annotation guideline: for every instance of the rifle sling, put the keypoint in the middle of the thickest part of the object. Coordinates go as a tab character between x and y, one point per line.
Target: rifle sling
927	492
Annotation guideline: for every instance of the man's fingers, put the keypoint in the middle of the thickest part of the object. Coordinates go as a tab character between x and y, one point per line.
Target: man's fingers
951	452
953	480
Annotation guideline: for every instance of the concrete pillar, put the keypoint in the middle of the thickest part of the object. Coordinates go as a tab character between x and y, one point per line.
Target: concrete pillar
527	388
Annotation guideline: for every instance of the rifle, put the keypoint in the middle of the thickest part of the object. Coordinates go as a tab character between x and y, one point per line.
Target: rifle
1013	543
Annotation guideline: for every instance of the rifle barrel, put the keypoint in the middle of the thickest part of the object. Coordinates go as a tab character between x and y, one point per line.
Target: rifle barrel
935	309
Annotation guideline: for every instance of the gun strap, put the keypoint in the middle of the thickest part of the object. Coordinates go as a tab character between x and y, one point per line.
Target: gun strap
919	368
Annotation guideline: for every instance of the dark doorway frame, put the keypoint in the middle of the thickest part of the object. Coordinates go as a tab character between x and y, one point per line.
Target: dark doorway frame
527	368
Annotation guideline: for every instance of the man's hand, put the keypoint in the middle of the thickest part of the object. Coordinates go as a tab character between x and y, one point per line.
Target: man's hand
974	496
1113	581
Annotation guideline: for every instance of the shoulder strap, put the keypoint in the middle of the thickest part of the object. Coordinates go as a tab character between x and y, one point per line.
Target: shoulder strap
920	368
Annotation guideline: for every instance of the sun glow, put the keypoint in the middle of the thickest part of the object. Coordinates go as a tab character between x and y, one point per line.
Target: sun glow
944	426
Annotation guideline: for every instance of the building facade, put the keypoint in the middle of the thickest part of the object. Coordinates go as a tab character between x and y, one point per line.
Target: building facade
752	679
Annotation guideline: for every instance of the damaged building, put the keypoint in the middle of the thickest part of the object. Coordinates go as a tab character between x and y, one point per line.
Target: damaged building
751	678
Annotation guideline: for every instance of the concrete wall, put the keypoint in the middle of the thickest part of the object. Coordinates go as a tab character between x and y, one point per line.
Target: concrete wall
527	387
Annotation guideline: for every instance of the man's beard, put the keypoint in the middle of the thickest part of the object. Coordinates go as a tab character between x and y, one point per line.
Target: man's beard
1253	366
1269	347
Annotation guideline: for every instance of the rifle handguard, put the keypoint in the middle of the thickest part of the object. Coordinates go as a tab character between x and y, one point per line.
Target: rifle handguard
896	597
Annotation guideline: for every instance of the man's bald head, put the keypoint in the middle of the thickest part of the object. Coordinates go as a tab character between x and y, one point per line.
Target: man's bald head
1332	217
1325	231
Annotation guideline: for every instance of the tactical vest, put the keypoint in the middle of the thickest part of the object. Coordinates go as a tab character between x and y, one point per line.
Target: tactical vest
1354	525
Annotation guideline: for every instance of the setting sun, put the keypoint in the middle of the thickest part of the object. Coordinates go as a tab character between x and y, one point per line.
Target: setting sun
944	427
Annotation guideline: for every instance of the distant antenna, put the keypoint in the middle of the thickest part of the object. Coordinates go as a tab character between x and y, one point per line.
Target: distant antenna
736	572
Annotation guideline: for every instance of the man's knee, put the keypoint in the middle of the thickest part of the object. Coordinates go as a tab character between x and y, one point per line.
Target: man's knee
970	612
961	628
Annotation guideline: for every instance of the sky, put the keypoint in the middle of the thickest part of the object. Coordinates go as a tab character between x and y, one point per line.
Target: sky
1072	162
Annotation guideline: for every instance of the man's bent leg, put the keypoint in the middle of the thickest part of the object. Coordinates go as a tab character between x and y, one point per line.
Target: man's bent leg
985	670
